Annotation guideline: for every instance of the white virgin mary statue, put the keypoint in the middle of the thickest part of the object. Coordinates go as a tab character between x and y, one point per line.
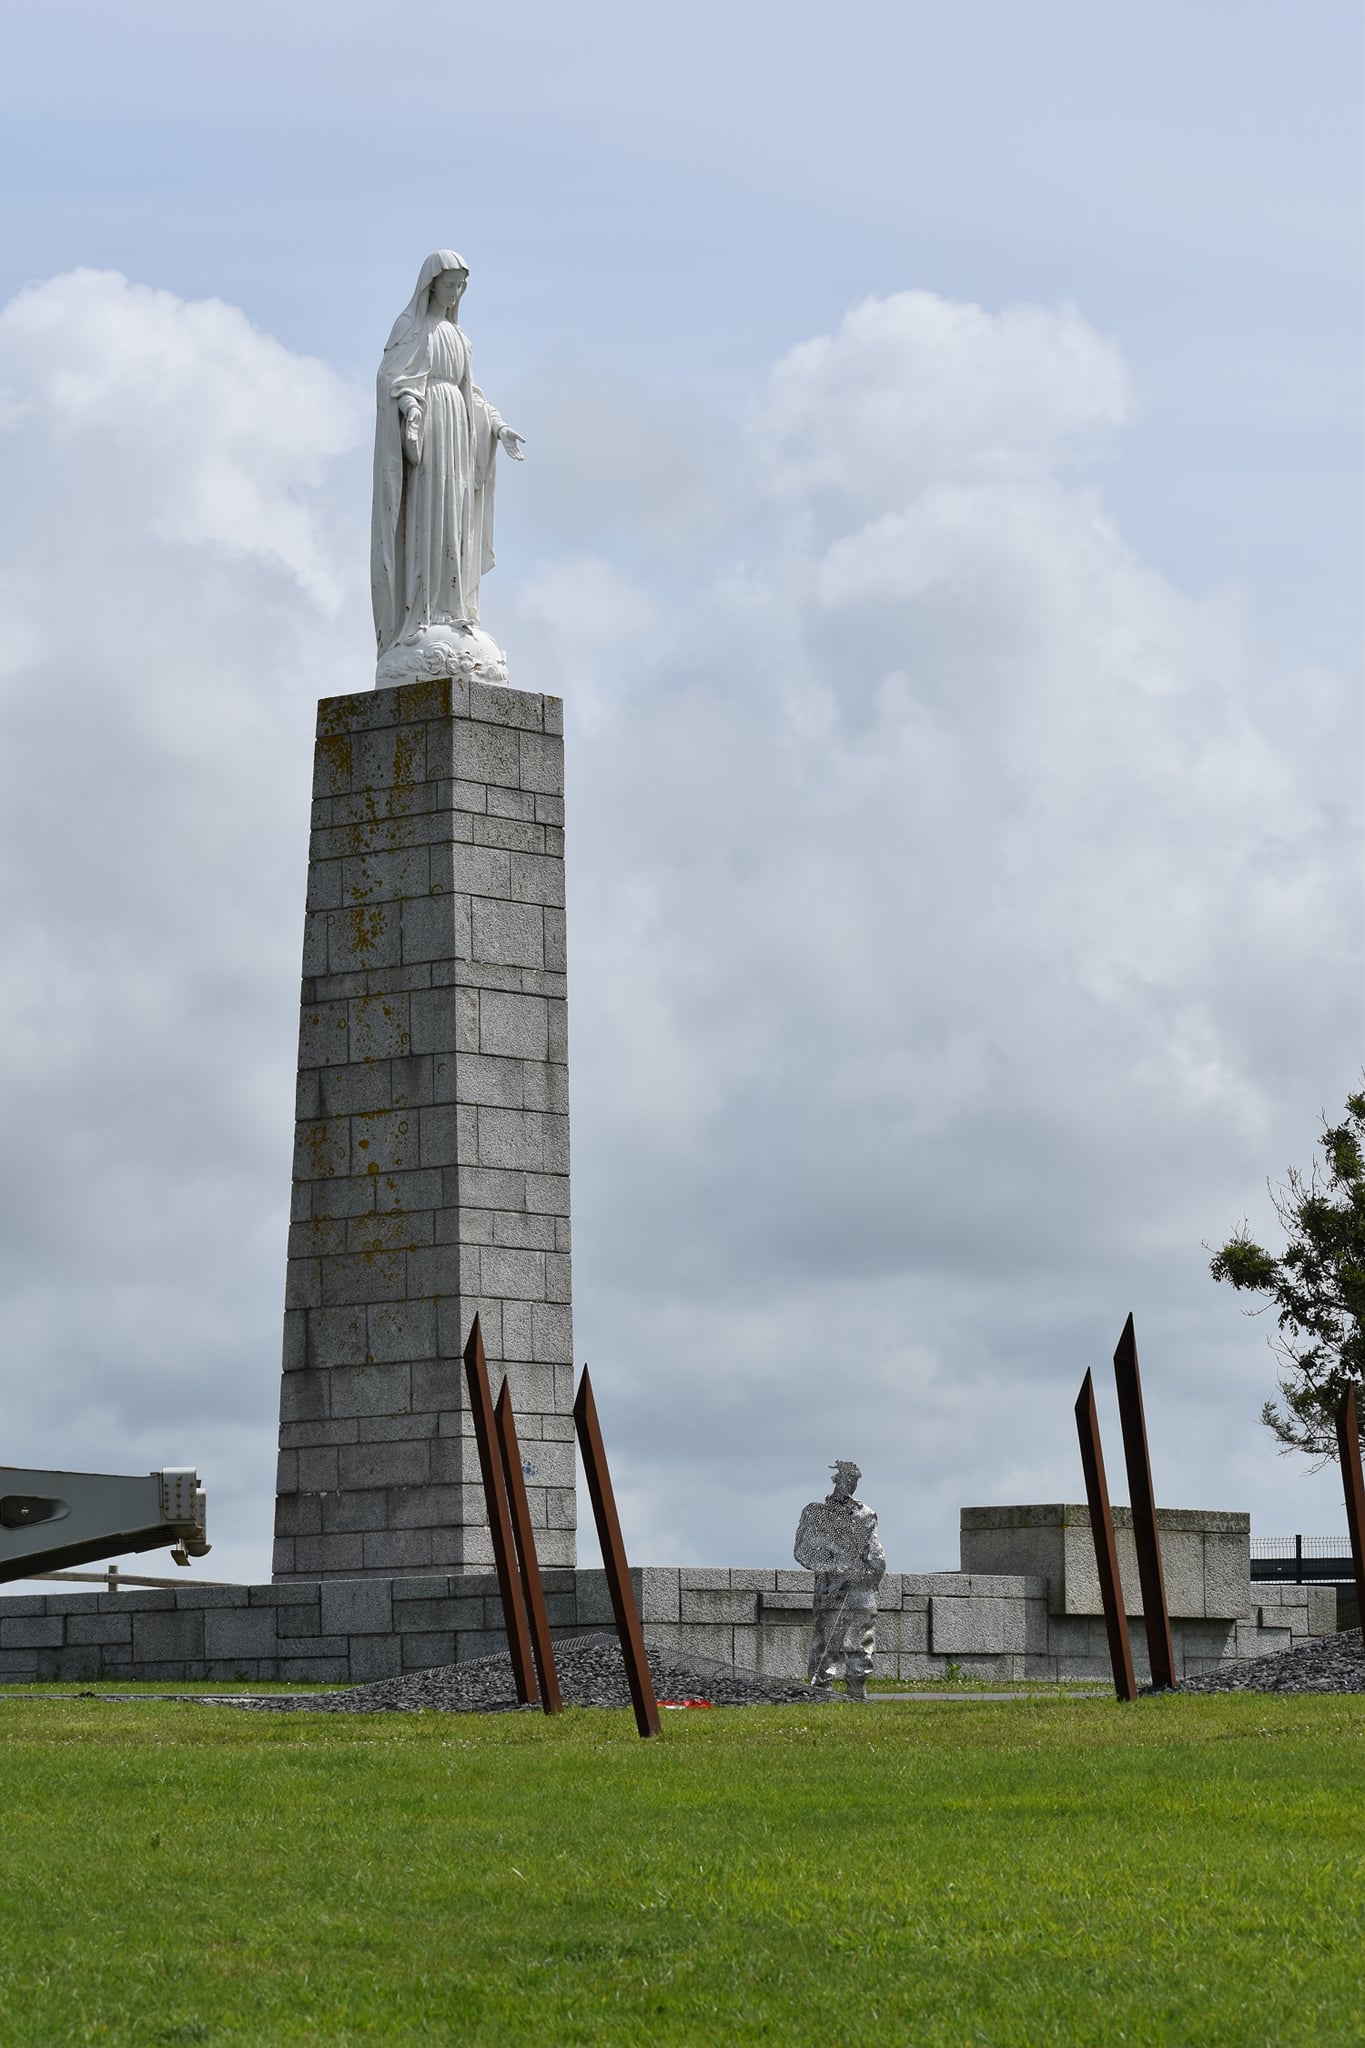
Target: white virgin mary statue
435	446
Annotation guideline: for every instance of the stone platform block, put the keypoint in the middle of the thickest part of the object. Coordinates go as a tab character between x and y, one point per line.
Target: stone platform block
718	1605
1206	1556
31	1632
240	1632
968	1627
785	1602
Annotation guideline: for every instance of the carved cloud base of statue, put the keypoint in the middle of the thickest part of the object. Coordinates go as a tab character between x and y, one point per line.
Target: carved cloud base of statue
443	648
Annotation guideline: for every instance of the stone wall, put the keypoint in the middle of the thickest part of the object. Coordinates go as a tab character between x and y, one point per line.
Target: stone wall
431	1174
930	1625
342	1631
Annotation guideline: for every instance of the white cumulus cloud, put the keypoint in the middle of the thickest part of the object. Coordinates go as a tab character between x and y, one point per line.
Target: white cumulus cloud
962	916
915	387
964	929
174	599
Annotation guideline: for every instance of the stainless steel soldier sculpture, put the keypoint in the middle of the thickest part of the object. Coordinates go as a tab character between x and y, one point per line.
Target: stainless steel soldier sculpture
837	1539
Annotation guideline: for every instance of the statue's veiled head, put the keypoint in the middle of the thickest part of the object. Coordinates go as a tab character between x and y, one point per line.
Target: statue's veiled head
440	286
447	289
441	282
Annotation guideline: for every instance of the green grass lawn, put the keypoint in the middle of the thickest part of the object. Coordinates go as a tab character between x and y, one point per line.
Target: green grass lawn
1030	1872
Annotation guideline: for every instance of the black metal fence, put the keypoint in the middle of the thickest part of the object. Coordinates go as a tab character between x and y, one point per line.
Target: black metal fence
1302	1560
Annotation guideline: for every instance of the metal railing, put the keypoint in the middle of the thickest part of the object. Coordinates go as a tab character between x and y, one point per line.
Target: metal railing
1306	1560
112	1578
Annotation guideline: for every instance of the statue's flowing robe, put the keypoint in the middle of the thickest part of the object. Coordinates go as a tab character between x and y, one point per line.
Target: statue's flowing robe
432	533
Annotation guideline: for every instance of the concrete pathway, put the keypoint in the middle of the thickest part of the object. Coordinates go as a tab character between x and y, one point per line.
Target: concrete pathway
1097	1693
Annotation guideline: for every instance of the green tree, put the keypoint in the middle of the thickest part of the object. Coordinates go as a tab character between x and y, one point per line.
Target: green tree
1316	1286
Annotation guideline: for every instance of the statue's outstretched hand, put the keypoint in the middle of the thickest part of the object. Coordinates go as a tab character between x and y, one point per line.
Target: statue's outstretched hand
512	441
412	435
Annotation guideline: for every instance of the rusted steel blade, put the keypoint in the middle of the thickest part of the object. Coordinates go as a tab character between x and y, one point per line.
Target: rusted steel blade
1106	1550
1146	1536
1353	1486
546	1669
499	1517
614	1558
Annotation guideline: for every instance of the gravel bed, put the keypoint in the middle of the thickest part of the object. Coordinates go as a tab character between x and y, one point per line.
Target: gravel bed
592	1673
1328	1664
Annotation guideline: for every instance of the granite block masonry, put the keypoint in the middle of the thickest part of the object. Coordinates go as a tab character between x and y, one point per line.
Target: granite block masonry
1206	1557
431	1164
929	1625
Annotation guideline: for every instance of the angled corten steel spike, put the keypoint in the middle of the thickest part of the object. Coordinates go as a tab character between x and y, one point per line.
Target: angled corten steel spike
499	1516
614	1558
1353	1486
1146	1537
1106	1551
539	1619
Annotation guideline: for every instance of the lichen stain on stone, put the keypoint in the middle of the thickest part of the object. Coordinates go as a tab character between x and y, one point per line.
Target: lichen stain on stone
374	1249
314	1019
318	1229
428	697
366	928
402	1036
366	834
409	770
316	1143
336	756
387	1238
334	715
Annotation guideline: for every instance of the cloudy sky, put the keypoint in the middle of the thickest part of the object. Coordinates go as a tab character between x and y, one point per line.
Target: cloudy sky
941	516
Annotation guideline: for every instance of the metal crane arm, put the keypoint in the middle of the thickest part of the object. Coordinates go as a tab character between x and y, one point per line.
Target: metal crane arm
52	1519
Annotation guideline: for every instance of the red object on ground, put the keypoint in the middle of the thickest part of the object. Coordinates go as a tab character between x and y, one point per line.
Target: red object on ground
686	1703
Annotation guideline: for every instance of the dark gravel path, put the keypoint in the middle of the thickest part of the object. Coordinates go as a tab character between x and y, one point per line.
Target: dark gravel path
1329	1664
592	1673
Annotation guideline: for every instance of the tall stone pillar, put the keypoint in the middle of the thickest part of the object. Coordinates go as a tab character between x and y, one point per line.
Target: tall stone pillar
431	1165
